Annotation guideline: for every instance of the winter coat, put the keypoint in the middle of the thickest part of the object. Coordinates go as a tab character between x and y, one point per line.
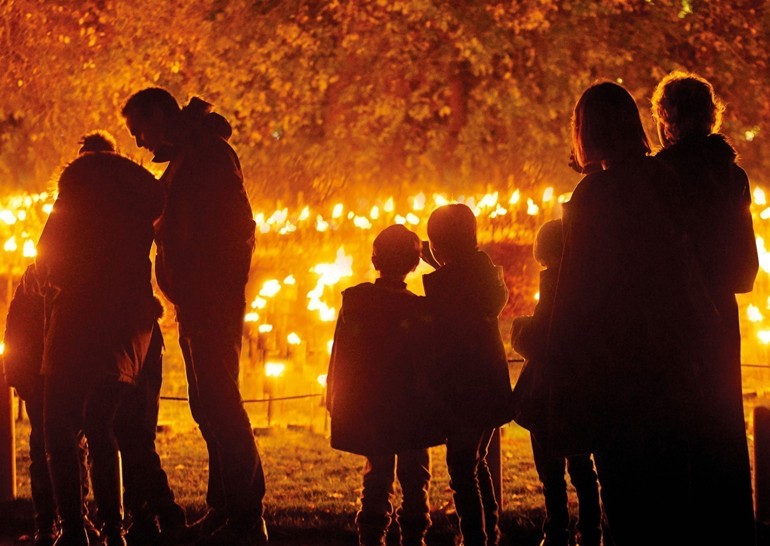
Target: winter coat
94	266
631	321
465	299
380	382
23	339
205	236
718	219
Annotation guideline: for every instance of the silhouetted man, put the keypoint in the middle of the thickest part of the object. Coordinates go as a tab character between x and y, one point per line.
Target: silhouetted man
205	239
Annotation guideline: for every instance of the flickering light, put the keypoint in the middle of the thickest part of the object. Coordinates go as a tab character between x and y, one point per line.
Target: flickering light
274	369
337	210
547	195
10	245
374	213
290	280
305	214
259	303
759	197
329	345
399	219
270	288
532	208
753	313
362	222
765	214
8	217
440	200
265	328
251	316
2	350
293	339
418	203
321	224
29	250
322	380
515	197
764	336
389	206
537	296
412	219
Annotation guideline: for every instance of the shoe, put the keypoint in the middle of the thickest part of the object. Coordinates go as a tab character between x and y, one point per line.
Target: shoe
237	534
205	526
45	537
143	533
73	537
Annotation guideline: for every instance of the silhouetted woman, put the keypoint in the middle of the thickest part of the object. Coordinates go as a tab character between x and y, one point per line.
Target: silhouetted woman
718	219
622	346
94	269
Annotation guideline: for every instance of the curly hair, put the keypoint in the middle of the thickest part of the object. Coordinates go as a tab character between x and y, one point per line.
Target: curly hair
97	141
685	104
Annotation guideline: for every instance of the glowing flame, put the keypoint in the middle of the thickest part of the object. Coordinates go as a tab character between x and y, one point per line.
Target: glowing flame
374	213
547	195
305	214
329	345
265	328
270	288
8	217
418	203
322	380
337	210
274	369
532	208
251	317
290	280
515	197
29	250
10	245
764	336
293	339
754	314
388	206
759	197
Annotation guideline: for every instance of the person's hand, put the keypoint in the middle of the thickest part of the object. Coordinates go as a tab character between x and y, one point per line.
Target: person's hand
427	255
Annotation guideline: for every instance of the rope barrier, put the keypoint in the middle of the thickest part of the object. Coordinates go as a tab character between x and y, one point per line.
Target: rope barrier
278	399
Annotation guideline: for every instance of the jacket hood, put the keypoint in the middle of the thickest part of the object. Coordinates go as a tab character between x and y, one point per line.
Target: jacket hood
196	121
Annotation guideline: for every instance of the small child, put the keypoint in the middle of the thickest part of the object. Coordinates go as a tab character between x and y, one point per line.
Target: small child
379	396
465	295
528	338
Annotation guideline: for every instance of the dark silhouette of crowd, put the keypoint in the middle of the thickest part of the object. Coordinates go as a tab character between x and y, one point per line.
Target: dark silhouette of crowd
632	378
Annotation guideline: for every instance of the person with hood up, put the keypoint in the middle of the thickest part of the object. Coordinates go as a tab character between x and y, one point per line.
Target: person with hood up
205	240
718	220
94	270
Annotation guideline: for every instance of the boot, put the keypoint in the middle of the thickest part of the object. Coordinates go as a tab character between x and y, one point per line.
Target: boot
45	537
413	529
65	480
106	481
372	528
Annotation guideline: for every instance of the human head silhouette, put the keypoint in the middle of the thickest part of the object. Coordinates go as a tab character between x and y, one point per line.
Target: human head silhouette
549	243
396	251
148	115
452	232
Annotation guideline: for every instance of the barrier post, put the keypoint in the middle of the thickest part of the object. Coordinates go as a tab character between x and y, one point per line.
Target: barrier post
7	444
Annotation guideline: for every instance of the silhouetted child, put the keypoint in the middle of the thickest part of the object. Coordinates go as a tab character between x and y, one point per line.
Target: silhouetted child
379	393
528	338
22	361
465	295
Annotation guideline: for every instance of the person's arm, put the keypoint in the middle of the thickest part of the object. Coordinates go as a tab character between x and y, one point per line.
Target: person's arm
742	248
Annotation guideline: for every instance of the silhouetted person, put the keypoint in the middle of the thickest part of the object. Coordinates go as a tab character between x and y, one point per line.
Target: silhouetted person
628	332
95	273
379	394
528	338
718	220
22	362
205	239
465	296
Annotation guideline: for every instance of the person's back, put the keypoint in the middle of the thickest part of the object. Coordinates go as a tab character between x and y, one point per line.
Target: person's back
465	296
528	338
380	393
719	224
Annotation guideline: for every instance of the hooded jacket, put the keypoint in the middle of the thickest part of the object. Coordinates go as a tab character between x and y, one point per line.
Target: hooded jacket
95	271
205	235
465	299
381	374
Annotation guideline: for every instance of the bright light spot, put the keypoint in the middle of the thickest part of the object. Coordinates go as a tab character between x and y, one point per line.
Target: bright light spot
754	314
322	380
537	296
270	288
2	350
8	217
10	245
759	196
764	257
488	200
251	317
351	215
515	197
21	215
265	328
330	345
305	214
389	206
764	336
532	208
337	210
362	222
290	280
749	135
440	200
374	213
399	219
412	219
419	201
765	214
28	250
259	303
321	224
274	369
564	197
547	195
293	339
619	81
